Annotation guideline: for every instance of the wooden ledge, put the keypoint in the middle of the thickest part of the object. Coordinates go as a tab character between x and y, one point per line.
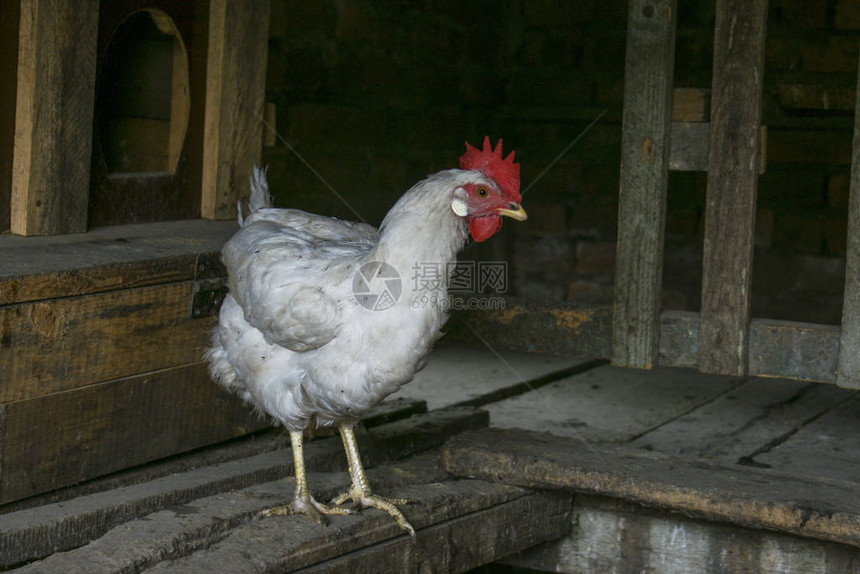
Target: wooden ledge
110	258
757	498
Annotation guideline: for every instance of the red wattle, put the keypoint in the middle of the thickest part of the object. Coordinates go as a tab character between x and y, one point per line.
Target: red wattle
483	228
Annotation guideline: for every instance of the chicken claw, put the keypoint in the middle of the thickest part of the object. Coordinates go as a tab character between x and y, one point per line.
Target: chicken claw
363	498
303	502
309	507
360	492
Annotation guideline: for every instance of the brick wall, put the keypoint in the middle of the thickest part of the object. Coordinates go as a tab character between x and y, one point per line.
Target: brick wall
376	95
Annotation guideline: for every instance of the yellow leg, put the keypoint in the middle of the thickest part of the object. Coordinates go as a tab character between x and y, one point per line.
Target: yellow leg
360	492
303	502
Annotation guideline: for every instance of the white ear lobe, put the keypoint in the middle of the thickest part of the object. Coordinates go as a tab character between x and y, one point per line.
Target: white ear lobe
458	204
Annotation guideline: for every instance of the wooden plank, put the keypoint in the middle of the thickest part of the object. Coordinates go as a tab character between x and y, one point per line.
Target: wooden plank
235	90
105	259
784	349
645	148
38	532
732	183
812	509
610	535
828	446
63	344
459	375
679	339
749	419
610	403
58	440
54	116
793	350
689	146
848	373
460	525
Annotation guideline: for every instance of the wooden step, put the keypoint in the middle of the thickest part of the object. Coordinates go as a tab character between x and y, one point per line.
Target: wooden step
35	533
746	496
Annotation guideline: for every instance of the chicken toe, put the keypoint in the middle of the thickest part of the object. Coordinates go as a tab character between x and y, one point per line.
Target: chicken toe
360	492
303	502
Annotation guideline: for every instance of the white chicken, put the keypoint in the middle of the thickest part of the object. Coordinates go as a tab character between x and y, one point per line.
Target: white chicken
301	343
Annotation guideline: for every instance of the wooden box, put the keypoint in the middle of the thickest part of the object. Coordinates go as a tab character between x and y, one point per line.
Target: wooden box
103	329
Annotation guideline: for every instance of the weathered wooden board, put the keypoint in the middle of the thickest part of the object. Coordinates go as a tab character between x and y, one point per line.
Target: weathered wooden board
611	535
679	339
610	403
68	343
459	524
744	496
736	96
64	438
54	116
748	419
689	147
784	349
849	357
645	136
828	446
235	90
793	350
458	375
105	259
37	532
258	442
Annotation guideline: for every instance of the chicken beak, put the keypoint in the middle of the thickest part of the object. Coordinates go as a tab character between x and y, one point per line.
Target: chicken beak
519	213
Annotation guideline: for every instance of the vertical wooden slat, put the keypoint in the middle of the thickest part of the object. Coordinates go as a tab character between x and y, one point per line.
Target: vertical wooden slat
733	164
235	93
54	116
848	370
648	77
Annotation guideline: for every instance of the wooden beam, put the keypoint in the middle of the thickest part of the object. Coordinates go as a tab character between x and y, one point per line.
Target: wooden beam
645	148
726	493
732	183
235	92
848	374
54	116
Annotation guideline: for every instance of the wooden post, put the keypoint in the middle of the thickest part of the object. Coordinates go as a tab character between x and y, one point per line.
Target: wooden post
644	174
848	370
54	116
235	93
733	165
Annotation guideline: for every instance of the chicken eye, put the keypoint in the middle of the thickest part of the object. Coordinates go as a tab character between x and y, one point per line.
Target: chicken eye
482	192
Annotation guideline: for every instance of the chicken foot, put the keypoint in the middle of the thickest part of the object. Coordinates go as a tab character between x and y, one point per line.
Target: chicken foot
360	492
303	502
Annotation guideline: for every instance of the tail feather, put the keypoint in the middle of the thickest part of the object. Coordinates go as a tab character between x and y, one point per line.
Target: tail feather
260	198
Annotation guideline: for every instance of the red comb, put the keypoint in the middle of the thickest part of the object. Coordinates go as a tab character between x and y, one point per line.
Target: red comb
504	172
